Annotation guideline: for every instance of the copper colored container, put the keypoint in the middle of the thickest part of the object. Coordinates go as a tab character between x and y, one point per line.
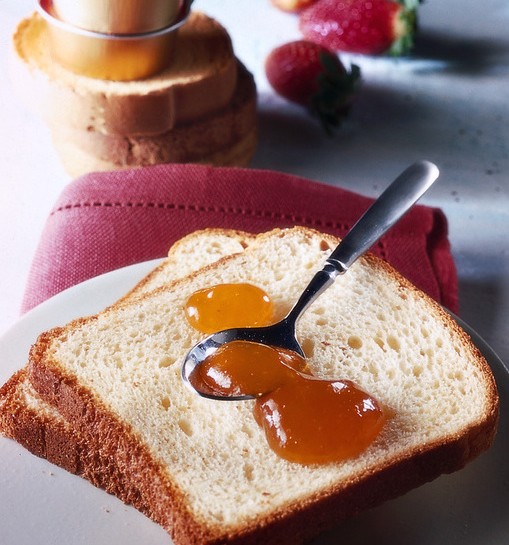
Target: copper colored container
118	16
120	57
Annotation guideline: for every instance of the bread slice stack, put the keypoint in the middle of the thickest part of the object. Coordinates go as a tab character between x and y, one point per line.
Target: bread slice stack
201	109
201	468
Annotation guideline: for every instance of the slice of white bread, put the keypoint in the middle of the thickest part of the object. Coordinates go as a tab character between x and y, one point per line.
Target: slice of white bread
202	468
201	79
39	427
191	253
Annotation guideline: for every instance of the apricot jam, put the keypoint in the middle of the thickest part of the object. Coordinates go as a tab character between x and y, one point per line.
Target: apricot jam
229	305
247	368
312	421
305	419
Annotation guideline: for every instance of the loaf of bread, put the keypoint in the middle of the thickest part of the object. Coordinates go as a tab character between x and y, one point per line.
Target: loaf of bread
202	108
227	137
202	468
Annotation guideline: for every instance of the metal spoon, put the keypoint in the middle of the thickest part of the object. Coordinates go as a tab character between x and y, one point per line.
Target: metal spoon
394	202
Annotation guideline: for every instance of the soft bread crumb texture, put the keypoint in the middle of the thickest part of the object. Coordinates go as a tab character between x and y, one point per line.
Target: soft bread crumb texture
371	327
193	252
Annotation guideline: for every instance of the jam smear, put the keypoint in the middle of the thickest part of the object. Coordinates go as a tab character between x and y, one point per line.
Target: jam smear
305	419
312	421
229	305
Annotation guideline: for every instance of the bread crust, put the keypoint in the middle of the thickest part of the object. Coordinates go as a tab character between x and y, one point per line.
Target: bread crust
290	523
201	80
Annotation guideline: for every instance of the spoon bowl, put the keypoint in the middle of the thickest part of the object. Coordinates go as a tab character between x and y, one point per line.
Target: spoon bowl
281	334
390	207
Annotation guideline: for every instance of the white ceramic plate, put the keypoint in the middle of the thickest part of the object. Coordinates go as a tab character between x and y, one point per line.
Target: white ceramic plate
44	505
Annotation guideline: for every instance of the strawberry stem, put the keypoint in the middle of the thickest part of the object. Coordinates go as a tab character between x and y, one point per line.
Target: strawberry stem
408	17
336	89
410	4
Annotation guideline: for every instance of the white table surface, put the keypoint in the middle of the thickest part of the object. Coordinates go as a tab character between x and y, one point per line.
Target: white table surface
448	103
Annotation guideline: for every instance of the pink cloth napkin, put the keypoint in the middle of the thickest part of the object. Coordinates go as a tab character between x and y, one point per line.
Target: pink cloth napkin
104	221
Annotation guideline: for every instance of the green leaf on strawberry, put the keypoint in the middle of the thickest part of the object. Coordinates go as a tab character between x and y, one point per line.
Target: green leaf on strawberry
313	76
404	43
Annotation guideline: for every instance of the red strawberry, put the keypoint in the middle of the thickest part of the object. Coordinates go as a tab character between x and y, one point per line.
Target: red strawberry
311	75
370	27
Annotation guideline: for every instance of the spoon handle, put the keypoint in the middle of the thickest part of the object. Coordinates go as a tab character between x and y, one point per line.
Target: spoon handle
390	207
